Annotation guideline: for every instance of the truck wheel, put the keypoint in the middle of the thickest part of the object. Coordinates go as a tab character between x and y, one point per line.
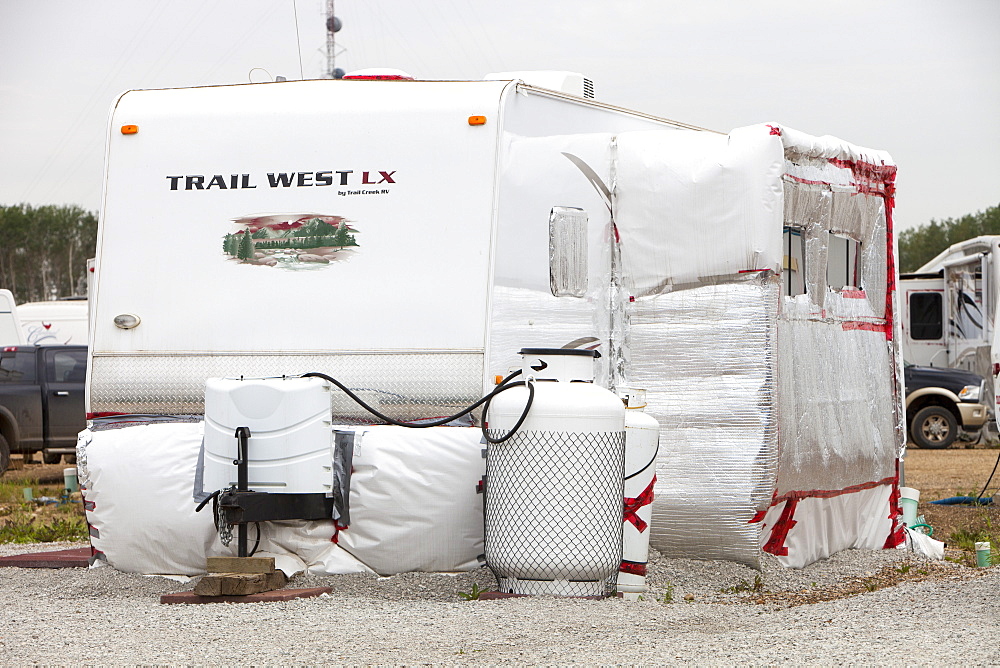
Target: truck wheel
934	427
4	455
51	458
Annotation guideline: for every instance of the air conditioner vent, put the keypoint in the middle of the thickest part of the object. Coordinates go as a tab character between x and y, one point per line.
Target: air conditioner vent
588	88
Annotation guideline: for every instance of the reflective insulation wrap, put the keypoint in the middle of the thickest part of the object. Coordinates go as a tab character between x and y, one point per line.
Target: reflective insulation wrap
706	358
543	295
405	386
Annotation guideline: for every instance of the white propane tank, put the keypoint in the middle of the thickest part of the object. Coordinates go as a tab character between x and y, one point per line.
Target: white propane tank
642	439
554	490
290	445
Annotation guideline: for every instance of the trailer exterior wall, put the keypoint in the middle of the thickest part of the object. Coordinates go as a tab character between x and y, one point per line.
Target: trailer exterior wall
404	314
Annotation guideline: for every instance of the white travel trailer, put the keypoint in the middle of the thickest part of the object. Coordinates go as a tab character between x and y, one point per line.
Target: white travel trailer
58	322
10	326
410	237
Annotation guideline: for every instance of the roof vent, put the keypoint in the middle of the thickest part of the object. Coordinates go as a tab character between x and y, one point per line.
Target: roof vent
566	82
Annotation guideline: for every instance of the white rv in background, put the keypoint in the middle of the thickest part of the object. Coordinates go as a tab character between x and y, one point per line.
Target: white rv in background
11	333
60	322
949	309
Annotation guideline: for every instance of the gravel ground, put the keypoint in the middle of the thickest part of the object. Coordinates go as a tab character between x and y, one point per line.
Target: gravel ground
697	612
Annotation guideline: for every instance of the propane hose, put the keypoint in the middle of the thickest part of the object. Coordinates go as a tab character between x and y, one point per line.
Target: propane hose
503	386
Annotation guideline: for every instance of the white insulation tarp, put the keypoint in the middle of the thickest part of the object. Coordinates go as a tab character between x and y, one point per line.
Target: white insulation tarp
414	504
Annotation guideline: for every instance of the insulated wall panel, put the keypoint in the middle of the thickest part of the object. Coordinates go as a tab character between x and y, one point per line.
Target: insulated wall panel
706	357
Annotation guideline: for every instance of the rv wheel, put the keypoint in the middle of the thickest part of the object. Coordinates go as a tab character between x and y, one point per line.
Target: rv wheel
934	427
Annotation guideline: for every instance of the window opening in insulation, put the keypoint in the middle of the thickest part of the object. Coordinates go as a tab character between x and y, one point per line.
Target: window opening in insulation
793	275
926	316
568	251
842	259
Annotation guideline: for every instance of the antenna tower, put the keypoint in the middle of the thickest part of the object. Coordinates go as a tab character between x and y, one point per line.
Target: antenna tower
333	26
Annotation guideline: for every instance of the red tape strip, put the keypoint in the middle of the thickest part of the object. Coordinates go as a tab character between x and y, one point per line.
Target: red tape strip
632	506
633	568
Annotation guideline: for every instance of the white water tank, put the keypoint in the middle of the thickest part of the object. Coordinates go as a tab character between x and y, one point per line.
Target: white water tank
290	445
554	489
642	438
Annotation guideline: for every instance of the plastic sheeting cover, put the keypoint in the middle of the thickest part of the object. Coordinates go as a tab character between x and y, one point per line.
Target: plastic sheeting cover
414	505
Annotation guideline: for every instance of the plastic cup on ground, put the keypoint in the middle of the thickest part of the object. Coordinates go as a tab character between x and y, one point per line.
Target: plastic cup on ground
983	554
69	476
908	499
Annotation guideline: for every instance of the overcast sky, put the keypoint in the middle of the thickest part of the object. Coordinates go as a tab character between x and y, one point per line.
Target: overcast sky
917	78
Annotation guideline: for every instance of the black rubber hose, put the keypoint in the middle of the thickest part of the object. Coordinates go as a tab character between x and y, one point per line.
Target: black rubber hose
257	542
437	423
520	421
980	495
206	500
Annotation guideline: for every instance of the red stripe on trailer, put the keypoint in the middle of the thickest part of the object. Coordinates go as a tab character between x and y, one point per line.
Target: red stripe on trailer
632	506
758	517
633	568
775	130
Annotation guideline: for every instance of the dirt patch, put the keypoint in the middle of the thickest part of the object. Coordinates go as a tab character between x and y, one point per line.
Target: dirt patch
46	474
940	474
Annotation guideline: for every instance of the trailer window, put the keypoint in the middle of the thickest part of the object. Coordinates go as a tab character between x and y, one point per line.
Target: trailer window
926	321
568	252
17	367
842	263
793	275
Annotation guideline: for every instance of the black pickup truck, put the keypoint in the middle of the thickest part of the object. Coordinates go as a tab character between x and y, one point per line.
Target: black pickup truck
41	401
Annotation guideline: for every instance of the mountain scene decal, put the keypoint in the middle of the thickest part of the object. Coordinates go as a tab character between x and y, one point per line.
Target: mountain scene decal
291	241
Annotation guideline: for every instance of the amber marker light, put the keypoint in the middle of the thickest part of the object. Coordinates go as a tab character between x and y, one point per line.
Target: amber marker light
129	129
477	120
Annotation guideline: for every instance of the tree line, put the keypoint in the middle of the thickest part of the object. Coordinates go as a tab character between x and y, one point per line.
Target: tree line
919	245
44	250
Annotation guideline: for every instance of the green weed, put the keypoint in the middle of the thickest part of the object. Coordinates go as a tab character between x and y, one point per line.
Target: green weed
474	593
743	586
